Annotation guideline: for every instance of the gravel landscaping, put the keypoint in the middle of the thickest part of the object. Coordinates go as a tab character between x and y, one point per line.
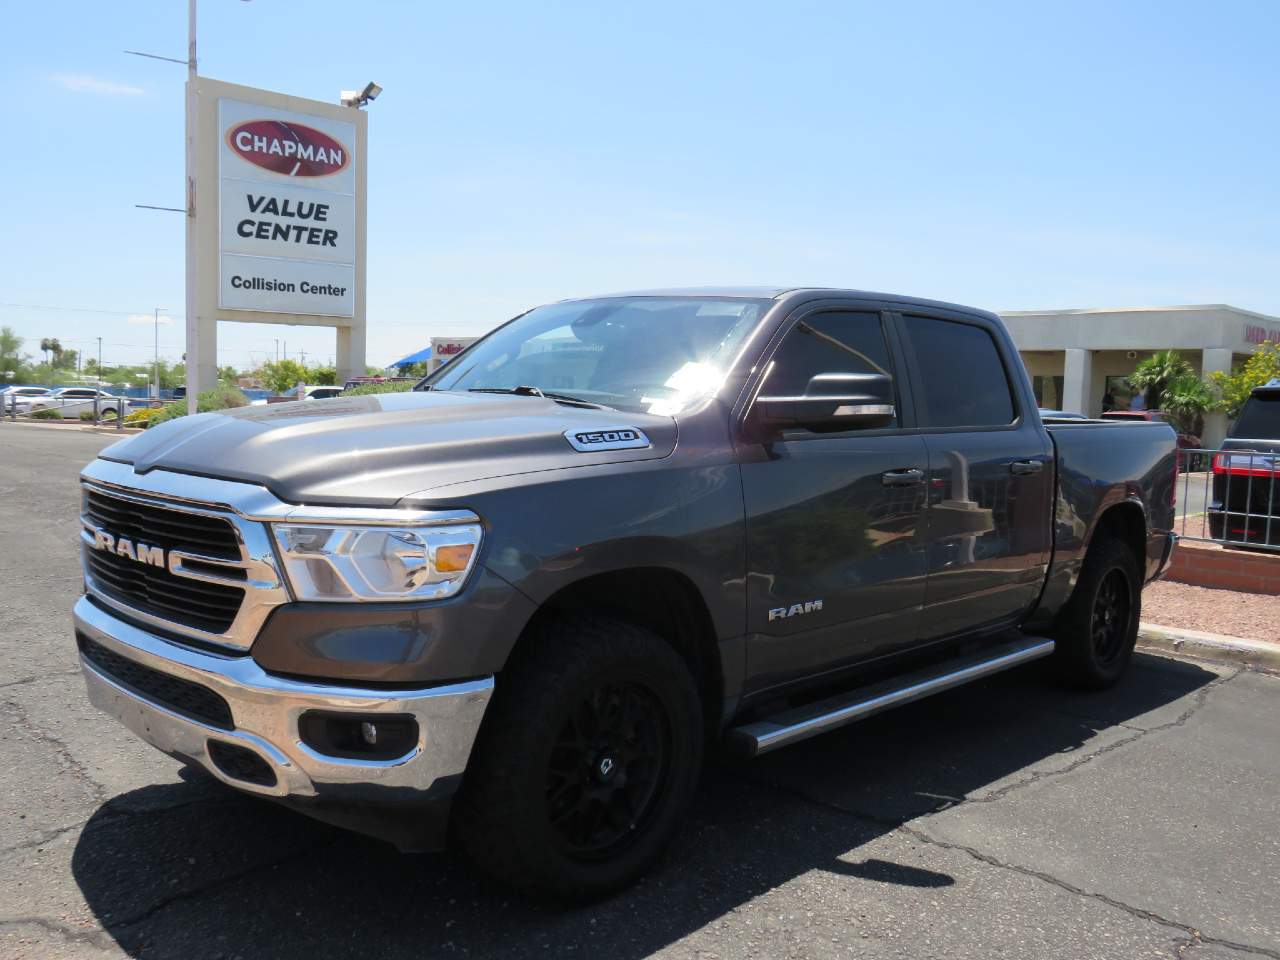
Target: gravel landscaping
1234	614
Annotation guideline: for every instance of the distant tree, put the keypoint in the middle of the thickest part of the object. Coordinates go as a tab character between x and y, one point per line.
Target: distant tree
281	376
322	376
1154	374
65	359
12	360
1263	366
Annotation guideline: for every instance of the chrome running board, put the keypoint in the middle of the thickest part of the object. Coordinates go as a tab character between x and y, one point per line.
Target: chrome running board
800	723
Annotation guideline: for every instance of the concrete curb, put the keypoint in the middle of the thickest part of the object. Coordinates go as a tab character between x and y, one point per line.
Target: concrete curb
1210	646
70	426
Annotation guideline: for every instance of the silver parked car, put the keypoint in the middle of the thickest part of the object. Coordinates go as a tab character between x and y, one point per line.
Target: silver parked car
73	401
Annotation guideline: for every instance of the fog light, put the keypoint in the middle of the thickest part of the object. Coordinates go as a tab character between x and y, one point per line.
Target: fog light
354	736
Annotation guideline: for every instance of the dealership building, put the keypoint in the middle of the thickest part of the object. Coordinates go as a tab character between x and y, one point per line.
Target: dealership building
1075	356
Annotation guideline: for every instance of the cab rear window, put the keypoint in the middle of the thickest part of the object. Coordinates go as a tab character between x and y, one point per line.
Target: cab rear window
1260	418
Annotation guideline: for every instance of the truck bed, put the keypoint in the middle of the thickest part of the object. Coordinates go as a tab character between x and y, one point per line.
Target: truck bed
1100	464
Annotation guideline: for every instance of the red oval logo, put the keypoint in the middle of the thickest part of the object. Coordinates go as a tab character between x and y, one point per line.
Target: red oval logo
292	149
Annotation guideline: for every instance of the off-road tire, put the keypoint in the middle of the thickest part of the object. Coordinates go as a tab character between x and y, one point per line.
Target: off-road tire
503	815
1094	646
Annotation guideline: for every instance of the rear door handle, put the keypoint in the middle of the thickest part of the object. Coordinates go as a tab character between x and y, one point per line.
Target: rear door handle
902	478
1023	468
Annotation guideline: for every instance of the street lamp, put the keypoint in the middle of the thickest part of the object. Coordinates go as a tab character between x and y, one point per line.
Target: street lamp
360	98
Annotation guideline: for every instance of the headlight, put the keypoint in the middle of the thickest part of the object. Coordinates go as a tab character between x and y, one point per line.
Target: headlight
341	562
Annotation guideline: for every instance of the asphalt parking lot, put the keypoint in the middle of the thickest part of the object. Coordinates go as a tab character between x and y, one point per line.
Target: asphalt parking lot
1006	819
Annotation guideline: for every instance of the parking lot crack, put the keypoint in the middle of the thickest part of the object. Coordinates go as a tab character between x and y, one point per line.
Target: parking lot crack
1197	704
25	681
61	750
892	824
1194	933
63	930
123	926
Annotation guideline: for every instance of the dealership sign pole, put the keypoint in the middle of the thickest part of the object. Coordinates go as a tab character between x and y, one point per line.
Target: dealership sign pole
276	190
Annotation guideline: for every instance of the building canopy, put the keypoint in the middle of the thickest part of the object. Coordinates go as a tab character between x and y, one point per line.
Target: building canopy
421	356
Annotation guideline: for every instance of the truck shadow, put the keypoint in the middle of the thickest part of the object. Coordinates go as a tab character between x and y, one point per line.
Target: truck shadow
194	870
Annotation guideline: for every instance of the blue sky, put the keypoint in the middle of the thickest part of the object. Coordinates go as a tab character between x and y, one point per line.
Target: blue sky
1010	156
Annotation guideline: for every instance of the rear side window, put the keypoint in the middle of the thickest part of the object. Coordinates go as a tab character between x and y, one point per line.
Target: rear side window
962	379
1260	418
836	342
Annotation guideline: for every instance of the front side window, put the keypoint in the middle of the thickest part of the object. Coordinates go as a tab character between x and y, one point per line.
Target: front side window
828	343
643	354
962	379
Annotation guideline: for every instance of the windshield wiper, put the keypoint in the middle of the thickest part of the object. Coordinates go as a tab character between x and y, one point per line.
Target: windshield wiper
525	390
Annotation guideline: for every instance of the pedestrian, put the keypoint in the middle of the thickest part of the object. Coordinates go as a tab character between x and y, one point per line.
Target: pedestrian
1108	400
1138	401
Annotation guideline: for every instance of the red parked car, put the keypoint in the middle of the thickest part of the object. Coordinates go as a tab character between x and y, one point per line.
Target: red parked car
1186	441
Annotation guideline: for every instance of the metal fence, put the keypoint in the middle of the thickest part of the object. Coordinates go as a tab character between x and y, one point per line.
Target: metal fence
1230	497
102	411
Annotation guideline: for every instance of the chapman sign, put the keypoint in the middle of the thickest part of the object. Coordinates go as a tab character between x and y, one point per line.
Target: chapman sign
286	211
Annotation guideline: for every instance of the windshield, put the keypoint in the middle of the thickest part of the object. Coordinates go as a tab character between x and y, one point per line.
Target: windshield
643	354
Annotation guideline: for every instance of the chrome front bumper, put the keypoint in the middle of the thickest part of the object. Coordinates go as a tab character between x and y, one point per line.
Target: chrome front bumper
265	710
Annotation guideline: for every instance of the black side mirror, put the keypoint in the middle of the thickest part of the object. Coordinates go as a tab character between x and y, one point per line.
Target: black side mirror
834	401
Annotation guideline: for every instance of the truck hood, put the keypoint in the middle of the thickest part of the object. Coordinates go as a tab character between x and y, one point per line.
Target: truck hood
376	450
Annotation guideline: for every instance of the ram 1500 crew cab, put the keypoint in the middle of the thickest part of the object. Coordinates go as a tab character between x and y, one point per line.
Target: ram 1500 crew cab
521	601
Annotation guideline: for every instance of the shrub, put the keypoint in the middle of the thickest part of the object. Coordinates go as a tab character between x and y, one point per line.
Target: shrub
46	414
221	397
144	418
391	386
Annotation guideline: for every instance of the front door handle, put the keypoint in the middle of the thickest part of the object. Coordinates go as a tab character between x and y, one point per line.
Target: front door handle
902	478
1025	468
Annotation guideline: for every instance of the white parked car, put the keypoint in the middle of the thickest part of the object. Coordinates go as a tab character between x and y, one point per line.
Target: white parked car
22	392
73	401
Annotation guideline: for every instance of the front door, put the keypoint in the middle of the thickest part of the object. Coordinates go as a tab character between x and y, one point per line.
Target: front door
836	568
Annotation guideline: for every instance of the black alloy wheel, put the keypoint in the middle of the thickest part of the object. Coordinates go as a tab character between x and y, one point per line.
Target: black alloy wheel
587	758
1110	624
607	769
1098	626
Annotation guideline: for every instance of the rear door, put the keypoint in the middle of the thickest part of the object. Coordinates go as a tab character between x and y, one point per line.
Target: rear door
990	476
836	566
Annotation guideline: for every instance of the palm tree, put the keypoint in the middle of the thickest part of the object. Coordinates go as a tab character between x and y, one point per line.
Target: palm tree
1186	399
1154	374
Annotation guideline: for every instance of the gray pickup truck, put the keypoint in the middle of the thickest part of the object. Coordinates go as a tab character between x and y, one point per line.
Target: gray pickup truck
516	605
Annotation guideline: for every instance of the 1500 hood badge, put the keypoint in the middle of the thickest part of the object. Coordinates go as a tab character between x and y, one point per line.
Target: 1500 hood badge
611	438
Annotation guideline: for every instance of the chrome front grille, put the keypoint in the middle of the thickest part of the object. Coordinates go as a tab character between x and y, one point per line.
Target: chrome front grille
163	526
198	570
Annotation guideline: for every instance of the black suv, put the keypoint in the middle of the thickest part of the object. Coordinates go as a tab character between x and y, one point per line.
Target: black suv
1245	509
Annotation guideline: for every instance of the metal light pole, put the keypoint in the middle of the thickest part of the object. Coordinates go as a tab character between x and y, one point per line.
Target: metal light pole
192	319
156	363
